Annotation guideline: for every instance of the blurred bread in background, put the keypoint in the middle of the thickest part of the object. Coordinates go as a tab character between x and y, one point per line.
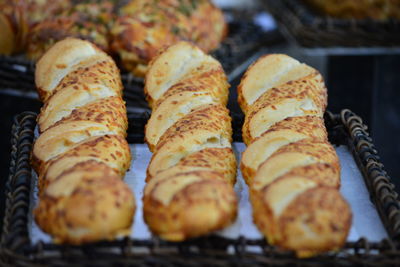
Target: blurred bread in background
18	16
145	26
88	20
134	31
358	9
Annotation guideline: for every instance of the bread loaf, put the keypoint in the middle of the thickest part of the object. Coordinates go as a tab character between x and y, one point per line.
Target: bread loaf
357	9
292	171
88	20
13	26
193	168
81	153
17	17
145	26
135	30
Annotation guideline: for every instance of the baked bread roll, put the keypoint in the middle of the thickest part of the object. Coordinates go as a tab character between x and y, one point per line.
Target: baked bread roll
145	26
90	20
358	9
192	171
7	35
13	26
18	16
142	27
81	153
292	171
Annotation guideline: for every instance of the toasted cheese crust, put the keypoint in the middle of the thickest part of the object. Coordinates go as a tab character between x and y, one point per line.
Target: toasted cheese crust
358	9
146	26
17	17
134	30
193	168
292	171
84	20
181	79
81	153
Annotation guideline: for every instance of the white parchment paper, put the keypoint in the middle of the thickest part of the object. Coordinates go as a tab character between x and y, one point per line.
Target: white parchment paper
366	221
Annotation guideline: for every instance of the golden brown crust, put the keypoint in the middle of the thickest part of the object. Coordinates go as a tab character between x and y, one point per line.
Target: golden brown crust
201	79
207	126
241	99
104	71
112	150
200	207
282	133
203	86
88	21
136	31
38	10
99	207
60	138
306	93
7	35
221	160
292	170
312	126
81	153
326	174
13	28
18	16
146	26
325	211
130	37
269	71
319	210
108	111
192	171
180	66
314	148
358	9
63	58
210	118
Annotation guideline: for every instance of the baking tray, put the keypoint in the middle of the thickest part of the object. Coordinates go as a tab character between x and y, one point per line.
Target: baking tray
345	128
316	33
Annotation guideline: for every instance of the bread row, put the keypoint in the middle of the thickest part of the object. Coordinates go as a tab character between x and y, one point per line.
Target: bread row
81	154
191	174
292	171
134	32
